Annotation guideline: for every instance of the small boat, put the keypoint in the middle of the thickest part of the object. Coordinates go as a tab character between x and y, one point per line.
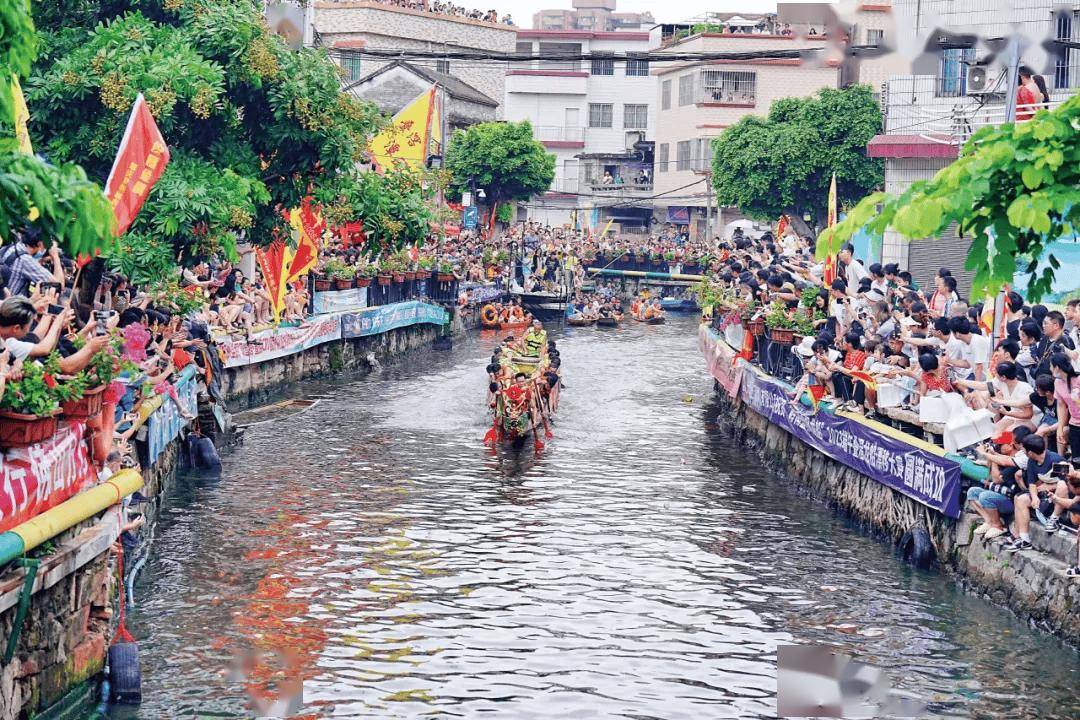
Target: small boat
679	304
580	321
608	321
655	320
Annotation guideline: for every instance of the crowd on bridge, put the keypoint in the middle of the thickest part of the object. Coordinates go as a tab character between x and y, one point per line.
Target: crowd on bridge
875	343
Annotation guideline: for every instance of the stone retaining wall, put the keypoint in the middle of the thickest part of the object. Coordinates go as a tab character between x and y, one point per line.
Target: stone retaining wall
1031	584
250	385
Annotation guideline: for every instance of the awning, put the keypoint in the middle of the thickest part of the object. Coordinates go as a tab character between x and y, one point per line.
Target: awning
912	146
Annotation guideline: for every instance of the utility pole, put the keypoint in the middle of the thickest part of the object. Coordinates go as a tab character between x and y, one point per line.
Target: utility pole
1013	57
708	207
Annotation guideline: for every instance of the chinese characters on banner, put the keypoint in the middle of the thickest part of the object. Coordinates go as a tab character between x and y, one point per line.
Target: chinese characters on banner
415	132
139	163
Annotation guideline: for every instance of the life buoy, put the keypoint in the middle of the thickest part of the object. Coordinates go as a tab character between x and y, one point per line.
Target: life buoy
489	315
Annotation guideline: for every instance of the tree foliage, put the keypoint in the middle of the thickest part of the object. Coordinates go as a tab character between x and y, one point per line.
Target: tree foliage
783	163
393	205
252	125
1014	189
68	207
505	160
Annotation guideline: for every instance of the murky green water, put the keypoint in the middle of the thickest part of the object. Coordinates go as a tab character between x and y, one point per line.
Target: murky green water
643	567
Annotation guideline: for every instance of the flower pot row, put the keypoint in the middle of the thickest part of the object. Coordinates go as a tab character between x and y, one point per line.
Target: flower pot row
21	430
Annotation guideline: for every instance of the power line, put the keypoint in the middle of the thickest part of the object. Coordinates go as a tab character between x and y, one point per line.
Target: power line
651	57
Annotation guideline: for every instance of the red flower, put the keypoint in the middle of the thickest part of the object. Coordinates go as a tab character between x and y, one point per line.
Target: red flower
49	380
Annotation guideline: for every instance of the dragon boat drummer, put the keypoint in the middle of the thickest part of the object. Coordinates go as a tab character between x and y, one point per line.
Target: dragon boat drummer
535	340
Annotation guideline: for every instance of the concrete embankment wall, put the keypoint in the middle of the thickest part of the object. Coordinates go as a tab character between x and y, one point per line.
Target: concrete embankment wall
1031	584
71	617
250	385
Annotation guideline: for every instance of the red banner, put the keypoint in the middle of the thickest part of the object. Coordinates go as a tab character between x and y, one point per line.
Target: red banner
139	163
273	266
309	225
42	476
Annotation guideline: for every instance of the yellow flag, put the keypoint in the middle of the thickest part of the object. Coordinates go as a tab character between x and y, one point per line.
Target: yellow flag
607	227
406	140
832	201
22	116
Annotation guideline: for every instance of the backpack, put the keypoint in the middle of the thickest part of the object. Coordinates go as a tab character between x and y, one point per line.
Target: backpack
8	256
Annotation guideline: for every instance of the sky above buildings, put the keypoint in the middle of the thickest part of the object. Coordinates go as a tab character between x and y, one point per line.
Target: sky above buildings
664	11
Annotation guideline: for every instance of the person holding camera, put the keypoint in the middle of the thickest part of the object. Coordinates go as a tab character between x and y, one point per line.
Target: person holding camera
1007	396
21	267
1005	457
1040	479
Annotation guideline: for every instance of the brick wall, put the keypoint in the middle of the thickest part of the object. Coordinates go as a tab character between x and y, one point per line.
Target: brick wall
382	27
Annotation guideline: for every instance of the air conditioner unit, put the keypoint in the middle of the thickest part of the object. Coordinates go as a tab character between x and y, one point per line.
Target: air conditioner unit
980	80
634	137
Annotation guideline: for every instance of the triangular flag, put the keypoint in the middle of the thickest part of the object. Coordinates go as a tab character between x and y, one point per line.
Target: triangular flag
830	261
406	139
22	116
273	263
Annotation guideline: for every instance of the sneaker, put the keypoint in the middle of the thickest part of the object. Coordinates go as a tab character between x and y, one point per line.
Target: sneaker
1040	517
982	528
993	533
1073	571
1050	523
1018	545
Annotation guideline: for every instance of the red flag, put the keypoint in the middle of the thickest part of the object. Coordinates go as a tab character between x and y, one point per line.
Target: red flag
272	264
830	270
781	227
139	163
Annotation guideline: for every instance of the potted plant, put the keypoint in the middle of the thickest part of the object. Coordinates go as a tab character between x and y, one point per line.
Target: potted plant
323	283
79	394
343	279
446	272
364	275
29	408
781	326
384	275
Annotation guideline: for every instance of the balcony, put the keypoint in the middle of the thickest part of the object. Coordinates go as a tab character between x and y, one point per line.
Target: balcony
557	136
927	116
632	190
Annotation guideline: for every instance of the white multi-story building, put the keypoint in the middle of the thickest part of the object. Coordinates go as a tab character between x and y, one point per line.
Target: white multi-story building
597	116
699	100
958	85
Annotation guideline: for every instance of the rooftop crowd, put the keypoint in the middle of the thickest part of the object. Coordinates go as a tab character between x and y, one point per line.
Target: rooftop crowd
877	344
437	7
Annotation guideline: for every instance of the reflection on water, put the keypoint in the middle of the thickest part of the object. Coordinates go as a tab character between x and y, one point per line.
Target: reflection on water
642	566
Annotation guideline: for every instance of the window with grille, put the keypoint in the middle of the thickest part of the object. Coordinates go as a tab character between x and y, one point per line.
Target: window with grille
875	37
556	49
686	90
635	117
729	86
523	48
662	157
1067	63
351	64
600	115
665	95
703	155
952	78
683	153
603	66
637	68
442	66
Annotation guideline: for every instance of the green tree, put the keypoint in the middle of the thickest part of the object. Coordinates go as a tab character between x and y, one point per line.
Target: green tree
783	163
1014	189
252	125
67	206
503	158
393	205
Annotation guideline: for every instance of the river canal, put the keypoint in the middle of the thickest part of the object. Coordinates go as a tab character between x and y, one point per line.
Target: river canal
644	566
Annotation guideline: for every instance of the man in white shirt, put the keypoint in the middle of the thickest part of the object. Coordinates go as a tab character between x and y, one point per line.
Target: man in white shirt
974	349
854	271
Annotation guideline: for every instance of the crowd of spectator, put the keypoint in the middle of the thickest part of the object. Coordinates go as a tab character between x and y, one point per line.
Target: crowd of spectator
876	343
437	7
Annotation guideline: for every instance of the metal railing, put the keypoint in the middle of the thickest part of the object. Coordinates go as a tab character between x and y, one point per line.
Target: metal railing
612	187
558	133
